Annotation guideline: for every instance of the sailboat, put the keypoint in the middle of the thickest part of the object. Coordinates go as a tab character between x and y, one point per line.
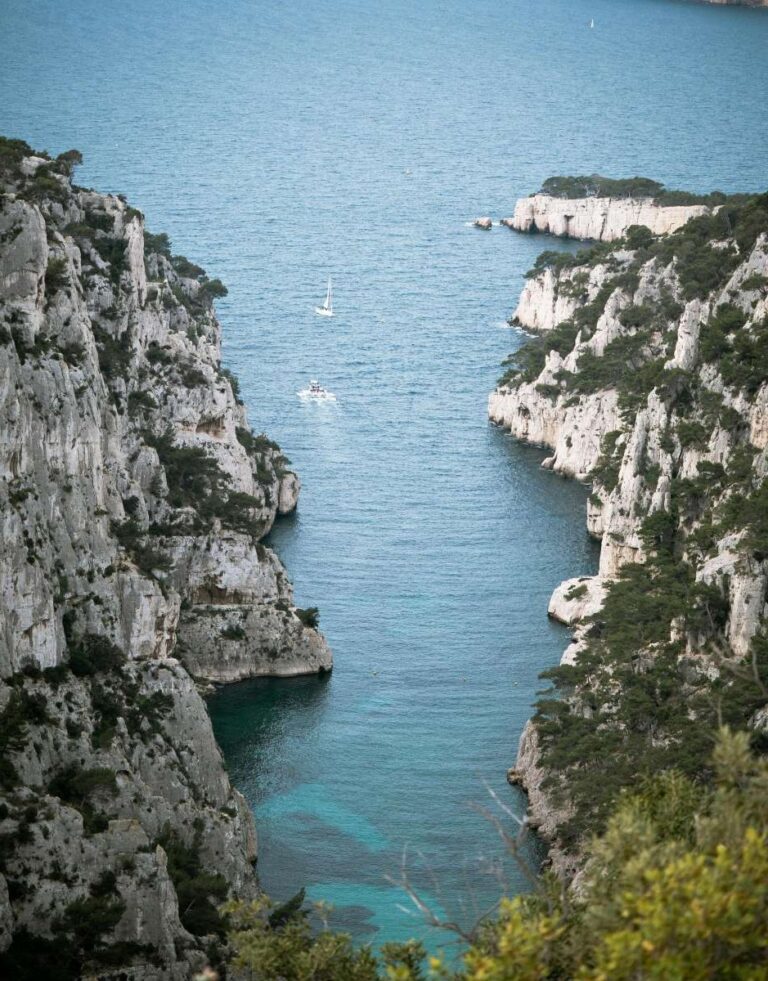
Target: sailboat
326	310
592	22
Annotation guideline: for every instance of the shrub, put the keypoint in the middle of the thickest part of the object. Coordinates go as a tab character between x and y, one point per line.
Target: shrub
233	631
114	355
309	617
77	787
597	186
213	289
56	275
185	268
157	244
68	160
198	890
113	252
94	654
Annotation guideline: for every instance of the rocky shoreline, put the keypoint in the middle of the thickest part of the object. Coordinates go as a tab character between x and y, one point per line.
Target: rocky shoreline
601	219
632	387
133	497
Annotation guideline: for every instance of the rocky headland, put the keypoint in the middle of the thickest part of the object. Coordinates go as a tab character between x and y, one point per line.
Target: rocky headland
133	497
650	382
603	219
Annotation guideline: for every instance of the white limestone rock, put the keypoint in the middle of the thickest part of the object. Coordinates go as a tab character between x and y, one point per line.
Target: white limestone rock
601	219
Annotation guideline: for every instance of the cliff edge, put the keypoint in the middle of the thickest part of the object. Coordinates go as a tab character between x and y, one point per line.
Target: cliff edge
651	383
133	497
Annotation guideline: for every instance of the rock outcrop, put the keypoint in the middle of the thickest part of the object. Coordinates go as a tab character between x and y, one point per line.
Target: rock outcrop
651	383
598	218
133	496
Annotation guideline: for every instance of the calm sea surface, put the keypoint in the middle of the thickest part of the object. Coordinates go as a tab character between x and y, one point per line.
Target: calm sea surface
280	142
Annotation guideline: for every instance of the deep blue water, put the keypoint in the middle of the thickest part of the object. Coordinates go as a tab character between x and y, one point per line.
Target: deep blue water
281	142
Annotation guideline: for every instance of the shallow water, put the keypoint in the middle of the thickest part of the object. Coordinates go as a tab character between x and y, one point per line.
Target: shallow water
278	143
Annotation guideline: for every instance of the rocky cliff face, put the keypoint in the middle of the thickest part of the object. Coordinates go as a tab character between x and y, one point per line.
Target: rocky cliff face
603	219
133	496
651	382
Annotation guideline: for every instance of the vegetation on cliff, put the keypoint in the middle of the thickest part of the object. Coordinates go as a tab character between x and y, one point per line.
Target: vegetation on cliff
675	329
676	887
597	186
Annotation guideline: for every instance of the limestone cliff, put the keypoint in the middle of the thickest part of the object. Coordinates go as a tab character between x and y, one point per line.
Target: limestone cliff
603	219
132	498
651	382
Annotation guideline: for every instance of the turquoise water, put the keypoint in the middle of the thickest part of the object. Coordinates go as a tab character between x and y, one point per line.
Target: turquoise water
278	143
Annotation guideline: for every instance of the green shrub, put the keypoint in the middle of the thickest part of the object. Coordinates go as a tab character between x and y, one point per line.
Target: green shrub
309	617
56	275
595	185
185	268
233	631
199	891
94	654
158	244
213	289
113	252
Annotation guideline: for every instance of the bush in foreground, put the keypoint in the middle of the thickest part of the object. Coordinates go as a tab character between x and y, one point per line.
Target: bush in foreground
676	887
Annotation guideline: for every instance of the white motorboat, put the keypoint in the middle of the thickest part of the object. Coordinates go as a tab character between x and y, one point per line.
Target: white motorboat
316	393
326	310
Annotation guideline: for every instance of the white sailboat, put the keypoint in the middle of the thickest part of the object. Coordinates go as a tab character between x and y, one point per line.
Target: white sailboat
592	22
326	310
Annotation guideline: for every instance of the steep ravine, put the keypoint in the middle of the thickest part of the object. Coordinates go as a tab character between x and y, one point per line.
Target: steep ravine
133	496
650	380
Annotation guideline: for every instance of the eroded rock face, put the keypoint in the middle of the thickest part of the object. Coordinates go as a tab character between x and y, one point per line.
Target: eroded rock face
133	496
601	219
669	447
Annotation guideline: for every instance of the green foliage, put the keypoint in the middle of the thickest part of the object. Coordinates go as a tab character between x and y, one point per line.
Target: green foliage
606	471
12	152
233	631
213	289
638	237
755	282
234	384
158	244
309	617
93	654
22	709
139	400
56	276
68	160
185	268
744	360
713	340
596	186
287	948
677	887
86	920
84	789
113	252
195	480
576	592
114	355
199	891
